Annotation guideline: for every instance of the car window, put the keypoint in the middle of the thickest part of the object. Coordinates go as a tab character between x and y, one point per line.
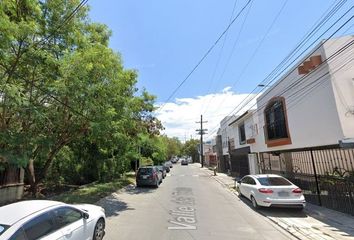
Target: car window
251	181
65	216
39	226
145	170
19	235
274	181
245	180
3	228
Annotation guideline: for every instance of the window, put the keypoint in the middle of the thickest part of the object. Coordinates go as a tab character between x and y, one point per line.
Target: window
39	227
274	181
252	181
65	216
248	180
242	133
276	122
3	228
19	235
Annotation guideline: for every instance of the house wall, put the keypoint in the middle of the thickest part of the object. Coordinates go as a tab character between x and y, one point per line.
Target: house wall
343	85
226	133
311	105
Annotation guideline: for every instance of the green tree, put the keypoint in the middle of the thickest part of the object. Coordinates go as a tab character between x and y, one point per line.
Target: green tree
62	85
190	148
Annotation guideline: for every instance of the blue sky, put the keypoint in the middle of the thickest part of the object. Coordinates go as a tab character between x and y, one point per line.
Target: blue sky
164	40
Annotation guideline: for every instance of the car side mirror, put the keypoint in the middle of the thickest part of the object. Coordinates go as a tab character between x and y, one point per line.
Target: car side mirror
239	181
85	215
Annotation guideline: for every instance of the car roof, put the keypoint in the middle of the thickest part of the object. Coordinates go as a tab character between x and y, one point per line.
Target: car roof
12	213
264	175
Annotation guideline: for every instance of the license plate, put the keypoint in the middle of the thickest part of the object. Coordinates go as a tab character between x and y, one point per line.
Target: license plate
283	194
145	177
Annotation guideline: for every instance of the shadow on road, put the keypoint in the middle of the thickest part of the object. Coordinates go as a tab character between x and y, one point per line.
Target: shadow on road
140	190
113	206
276	212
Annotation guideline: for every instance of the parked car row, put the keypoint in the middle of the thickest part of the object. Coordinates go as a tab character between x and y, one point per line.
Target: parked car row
152	175
270	190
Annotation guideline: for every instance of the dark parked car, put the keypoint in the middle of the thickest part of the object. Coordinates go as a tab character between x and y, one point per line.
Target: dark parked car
168	164
162	169
167	168
148	176
184	162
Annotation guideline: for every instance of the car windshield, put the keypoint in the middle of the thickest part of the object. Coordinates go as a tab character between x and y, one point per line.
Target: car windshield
145	170
3	228
160	167
273	181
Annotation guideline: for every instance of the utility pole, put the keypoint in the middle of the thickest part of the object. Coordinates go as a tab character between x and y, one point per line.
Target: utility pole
201	132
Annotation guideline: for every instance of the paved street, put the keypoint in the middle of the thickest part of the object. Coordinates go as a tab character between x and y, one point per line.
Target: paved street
189	204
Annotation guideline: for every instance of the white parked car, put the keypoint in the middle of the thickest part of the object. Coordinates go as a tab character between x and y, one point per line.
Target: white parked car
51	220
270	190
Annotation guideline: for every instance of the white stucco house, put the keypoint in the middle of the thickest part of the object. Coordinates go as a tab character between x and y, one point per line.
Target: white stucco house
312	105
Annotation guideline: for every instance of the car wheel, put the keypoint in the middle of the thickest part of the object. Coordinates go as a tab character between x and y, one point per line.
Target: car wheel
157	184
99	230
254	203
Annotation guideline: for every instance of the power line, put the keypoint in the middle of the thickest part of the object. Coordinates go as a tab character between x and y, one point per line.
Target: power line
232	50
258	46
298	81
220	54
278	74
204	56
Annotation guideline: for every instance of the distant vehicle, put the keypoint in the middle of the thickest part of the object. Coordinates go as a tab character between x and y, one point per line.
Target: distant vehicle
174	160
167	168
148	176
43	219
168	164
184	162
162	169
270	190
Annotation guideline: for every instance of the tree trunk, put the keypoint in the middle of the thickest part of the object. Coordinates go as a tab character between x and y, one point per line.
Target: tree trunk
32	178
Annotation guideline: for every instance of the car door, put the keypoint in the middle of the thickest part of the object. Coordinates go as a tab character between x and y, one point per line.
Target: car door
245	187
71	223
41	227
252	187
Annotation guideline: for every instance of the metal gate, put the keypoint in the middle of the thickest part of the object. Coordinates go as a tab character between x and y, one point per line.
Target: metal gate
326	176
239	162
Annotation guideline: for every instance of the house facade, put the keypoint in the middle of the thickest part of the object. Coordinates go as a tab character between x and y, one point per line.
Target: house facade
223	141
243	134
303	127
306	120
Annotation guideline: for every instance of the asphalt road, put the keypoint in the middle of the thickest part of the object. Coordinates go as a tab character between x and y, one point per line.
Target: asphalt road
189	204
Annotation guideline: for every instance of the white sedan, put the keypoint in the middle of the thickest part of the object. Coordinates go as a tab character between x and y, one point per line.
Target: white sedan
270	190
42	219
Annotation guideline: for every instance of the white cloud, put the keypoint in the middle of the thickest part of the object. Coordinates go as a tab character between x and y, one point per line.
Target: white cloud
179	118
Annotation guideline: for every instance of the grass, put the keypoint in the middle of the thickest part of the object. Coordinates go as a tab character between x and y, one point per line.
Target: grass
91	193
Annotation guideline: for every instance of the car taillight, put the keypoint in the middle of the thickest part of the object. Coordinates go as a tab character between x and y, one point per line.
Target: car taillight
265	190
297	190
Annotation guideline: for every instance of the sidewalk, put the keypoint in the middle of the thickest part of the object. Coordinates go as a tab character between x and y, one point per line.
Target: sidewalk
314	222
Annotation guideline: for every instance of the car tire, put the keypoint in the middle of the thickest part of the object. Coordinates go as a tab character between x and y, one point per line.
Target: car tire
157	184
98	233
254	203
